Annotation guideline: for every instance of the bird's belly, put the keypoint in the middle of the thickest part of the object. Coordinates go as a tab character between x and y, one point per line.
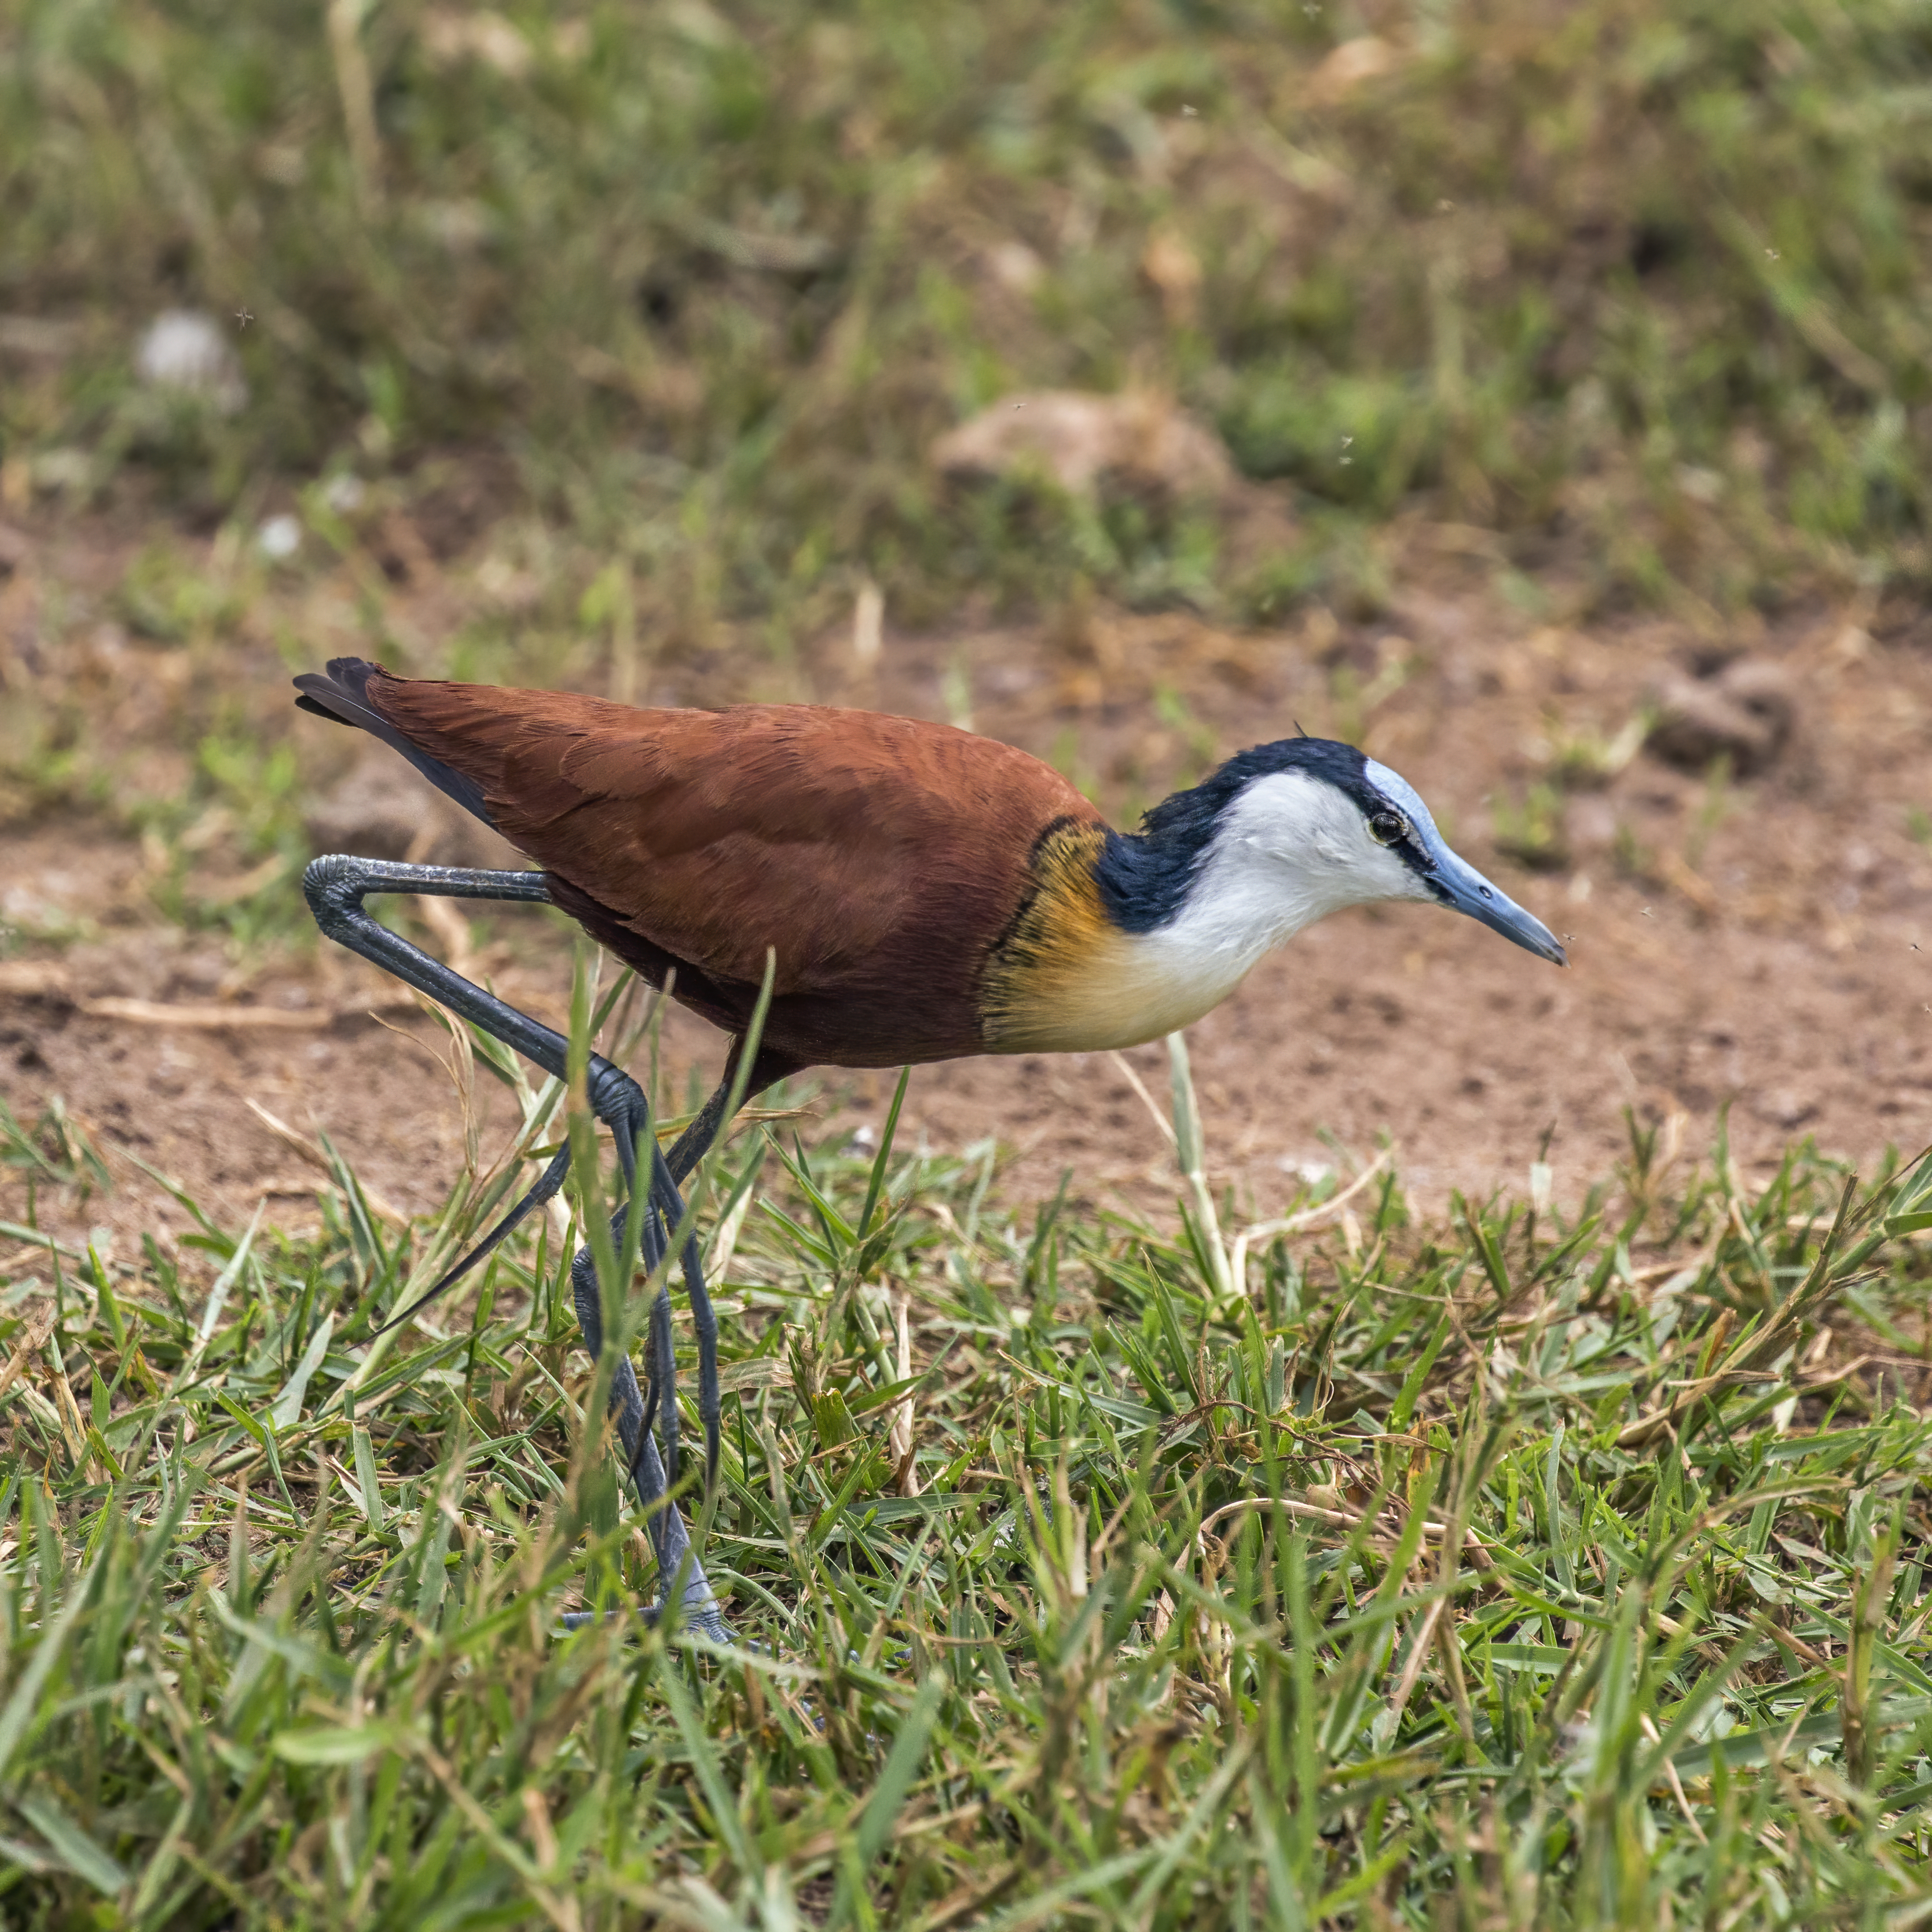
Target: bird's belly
1129	989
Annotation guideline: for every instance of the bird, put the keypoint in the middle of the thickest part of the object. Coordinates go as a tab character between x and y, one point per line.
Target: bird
894	891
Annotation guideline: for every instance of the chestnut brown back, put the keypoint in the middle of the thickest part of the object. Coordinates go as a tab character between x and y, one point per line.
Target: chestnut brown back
880	857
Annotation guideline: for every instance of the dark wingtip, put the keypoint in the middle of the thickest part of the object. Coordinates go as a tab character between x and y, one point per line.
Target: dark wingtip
344	682
340	694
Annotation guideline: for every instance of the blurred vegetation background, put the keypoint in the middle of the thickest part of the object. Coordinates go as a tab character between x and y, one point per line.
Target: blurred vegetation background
645	319
1644	286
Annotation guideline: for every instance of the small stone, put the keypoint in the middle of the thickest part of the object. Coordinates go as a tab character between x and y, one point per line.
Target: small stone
1015	267
279	538
185	350
1348	66
344	493
1088	444
1744	713
1174	269
1786	1109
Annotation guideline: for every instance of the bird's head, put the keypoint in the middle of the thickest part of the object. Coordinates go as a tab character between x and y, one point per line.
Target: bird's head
1285	834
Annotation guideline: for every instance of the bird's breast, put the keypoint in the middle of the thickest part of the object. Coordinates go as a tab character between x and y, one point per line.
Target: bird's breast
1063	978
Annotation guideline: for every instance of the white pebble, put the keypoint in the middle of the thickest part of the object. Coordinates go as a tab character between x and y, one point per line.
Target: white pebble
279	538
184	349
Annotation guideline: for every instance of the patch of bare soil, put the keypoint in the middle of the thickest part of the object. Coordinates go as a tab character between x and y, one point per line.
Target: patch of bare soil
1750	944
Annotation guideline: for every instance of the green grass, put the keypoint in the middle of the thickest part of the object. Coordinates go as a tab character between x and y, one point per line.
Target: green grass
1523	1570
1641	283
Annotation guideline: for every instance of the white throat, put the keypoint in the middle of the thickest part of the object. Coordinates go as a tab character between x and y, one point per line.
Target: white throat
1290	850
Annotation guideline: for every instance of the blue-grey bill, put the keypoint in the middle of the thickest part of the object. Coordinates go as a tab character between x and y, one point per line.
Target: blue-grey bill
1463	887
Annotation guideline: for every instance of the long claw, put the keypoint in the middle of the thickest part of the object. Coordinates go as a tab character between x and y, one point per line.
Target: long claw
704	1315
547	1183
663	1382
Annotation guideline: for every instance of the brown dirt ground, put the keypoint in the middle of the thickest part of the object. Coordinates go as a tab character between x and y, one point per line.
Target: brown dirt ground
1754	946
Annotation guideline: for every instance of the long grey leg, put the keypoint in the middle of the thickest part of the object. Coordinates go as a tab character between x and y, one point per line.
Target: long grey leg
335	887
690	1148
694	1143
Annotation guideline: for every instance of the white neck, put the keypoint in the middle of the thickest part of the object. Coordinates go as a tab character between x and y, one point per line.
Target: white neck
1289	851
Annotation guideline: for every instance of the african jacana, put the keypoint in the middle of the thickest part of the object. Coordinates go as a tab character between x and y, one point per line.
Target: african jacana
927	894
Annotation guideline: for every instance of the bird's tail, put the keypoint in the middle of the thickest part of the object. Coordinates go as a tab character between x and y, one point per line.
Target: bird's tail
341	694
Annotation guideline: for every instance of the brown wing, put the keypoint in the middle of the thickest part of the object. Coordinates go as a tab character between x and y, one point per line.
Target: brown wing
879	857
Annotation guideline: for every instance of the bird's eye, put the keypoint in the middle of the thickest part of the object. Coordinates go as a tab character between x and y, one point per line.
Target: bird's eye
1388	828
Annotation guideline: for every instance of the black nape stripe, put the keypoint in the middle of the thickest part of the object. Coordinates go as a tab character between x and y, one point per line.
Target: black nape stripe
1145	876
